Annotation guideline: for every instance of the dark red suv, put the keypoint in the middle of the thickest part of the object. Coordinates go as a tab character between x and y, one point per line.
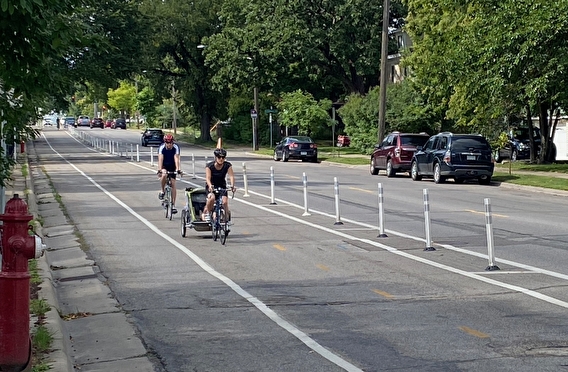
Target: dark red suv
395	153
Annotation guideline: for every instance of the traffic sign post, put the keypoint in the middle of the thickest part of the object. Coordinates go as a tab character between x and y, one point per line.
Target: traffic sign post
254	117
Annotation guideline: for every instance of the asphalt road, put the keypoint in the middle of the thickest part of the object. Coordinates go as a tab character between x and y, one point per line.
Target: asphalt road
292	290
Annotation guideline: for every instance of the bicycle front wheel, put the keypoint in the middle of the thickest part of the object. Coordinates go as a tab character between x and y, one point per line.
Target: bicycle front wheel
167	204
224	226
214	228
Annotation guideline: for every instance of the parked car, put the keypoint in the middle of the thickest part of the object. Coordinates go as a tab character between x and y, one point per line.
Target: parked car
97	123
47	121
152	136
458	156
68	121
119	123
108	123
83	121
296	147
519	145
343	141
395	153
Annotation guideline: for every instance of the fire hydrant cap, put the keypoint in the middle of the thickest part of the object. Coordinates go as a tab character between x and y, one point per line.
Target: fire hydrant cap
16	209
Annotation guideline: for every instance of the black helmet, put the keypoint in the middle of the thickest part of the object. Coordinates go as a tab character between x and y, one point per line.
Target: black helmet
220	153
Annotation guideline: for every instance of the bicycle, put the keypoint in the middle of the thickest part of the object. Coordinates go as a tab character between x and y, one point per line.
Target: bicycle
219	221
167	200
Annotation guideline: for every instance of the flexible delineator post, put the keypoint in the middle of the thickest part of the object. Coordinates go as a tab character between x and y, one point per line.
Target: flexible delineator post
489	230
272	202
305	182
193	166
429	246
245	181
336	192
381	213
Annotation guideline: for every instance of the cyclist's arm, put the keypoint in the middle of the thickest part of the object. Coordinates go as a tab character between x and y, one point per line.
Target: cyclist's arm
231	177
208	178
160	159
177	161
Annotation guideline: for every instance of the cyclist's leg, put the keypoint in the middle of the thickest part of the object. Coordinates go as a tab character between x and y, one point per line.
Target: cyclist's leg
163	179
209	205
226	207
174	193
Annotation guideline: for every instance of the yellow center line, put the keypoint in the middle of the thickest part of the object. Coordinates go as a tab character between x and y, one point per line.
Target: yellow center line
322	267
474	332
383	293
358	189
493	214
294	177
279	247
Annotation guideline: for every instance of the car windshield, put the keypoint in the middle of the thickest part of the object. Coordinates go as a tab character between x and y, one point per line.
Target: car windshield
413	140
300	139
523	133
470	143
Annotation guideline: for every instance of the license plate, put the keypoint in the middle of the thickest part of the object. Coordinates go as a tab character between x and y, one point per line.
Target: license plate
471	157
303	153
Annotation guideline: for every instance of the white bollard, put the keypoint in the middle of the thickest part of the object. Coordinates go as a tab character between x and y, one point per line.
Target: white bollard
137	153
429	246
245	181
131	152
381	213
336	193
272	202
305	182
489	230
151	156
193	166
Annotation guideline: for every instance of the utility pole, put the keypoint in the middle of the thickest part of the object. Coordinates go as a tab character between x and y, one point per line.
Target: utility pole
384	73
174	105
255	121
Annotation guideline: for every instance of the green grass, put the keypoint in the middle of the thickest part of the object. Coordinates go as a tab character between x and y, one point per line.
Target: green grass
531	180
39	307
41	339
524	166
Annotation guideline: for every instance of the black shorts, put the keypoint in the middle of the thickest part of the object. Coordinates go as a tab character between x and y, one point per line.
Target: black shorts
171	168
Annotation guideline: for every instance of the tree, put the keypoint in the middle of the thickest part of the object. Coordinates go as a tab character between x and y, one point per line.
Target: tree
303	111
487	61
123	98
177	28
282	46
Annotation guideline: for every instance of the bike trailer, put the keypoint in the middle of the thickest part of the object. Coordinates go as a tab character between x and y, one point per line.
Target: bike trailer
196	199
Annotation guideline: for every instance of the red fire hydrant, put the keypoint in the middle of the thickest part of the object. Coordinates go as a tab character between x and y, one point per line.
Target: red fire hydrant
18	246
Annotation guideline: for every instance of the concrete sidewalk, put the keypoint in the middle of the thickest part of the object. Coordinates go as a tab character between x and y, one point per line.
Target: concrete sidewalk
90	331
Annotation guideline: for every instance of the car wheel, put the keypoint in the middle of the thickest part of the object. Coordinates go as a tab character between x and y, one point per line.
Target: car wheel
414	172
390	170
438	178
485	181
372	169
285	155
275	157
514	155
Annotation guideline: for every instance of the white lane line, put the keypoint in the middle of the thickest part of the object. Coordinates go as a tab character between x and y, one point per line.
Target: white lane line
271	314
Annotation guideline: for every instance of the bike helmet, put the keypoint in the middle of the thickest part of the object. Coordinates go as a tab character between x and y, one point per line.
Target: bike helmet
220	153
168	138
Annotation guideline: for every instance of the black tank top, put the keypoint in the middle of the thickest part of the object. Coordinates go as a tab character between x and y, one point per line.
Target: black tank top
218	176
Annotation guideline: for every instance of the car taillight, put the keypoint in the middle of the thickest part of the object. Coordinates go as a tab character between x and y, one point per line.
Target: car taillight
313	146
293	144
447	157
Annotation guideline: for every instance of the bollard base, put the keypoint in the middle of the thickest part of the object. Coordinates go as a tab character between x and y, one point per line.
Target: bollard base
429	249
492	268
382	236
338	223
273	203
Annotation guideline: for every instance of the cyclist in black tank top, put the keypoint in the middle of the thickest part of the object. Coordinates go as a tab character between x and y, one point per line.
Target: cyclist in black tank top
215	175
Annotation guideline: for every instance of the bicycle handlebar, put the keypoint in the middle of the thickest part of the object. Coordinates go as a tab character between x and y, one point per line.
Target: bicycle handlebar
223	191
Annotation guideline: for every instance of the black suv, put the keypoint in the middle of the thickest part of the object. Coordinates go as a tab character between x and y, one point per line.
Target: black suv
152	136
97	122
458	156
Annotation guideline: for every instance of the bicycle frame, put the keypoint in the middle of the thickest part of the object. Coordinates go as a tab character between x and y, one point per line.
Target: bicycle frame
219	221
167	202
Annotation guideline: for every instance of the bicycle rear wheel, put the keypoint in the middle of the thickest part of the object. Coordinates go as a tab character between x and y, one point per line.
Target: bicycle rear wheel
167	204
184	218
224	230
